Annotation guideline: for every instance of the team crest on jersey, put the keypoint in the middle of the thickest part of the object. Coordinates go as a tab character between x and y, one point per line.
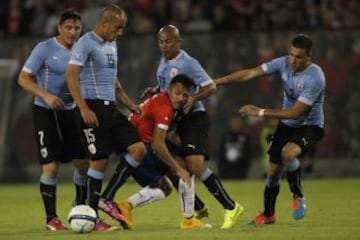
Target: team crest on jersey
44	152
300	86
173	72
284	77
92	148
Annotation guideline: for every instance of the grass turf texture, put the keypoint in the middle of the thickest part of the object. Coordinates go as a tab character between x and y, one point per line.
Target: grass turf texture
333	212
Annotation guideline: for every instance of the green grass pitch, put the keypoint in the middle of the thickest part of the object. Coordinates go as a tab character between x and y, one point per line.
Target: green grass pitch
333	213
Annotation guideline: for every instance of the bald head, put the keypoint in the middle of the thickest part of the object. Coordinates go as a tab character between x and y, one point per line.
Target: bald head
111	11
170	30
111	23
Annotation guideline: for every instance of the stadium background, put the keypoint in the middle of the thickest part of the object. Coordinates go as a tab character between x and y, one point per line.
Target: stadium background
224	36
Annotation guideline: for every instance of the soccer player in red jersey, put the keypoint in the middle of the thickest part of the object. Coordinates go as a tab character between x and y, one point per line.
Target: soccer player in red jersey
153	125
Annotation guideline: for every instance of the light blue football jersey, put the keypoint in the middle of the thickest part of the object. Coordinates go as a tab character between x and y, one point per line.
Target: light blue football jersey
98	59
47	62
183	64
307	86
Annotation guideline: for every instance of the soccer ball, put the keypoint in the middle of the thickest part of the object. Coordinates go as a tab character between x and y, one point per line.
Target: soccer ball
82	218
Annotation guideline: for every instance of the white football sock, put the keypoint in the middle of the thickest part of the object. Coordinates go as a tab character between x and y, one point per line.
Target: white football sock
187	197
146	196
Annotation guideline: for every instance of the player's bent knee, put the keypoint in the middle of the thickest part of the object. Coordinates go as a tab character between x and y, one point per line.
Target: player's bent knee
164	184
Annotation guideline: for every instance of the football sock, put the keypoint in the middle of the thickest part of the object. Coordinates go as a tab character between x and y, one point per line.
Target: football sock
146	196
131	161
294	180
187	195
80	188
48	194
199	204
94	184
270	194
122	173
215	187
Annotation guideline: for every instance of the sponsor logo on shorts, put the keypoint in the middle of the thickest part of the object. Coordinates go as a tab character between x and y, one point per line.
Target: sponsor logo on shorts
191	146
92	148
44	152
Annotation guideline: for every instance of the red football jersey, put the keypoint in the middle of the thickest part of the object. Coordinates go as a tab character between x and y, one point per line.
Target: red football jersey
157	112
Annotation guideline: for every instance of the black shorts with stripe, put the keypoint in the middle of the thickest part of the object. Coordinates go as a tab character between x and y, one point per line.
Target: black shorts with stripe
193	132
114	133
56	137
305	137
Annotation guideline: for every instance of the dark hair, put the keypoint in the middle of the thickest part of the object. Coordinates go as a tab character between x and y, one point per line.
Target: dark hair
302	41
183	79
69	14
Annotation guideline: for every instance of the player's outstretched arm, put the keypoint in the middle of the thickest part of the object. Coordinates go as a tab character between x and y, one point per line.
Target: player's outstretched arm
240	76
204	92
296	111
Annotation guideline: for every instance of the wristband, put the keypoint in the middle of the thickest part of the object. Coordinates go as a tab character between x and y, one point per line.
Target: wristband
261	112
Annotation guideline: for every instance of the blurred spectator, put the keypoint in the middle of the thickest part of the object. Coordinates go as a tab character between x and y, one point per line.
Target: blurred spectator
351	136
14	18
90	14
235	152
220	18
331	145
53	19
40	14
353	103
143	23
191	15
197	21
162	13
336	69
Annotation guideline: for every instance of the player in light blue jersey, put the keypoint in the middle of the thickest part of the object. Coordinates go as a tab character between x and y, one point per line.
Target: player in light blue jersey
92	81
43	76
192	128
301	123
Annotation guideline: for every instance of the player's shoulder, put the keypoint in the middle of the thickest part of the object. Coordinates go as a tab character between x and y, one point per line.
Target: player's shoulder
282	60
316	74
161	101
316	70
185	56
190	63
87	38
280	64
42	48
160	98
48	43
315	67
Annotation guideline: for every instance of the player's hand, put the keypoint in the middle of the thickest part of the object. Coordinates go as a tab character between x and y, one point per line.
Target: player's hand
54	102
149	92
89	117
136	109
188	104
249	110
184	175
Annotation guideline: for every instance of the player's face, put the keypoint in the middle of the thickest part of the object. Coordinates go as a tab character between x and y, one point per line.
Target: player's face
69	32
299	59
115	28
178	94
169	44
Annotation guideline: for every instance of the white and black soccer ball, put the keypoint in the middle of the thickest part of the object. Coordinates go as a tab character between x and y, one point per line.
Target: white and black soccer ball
82	218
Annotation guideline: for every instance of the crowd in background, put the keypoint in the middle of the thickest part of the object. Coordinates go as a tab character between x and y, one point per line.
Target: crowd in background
218	34
39	17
